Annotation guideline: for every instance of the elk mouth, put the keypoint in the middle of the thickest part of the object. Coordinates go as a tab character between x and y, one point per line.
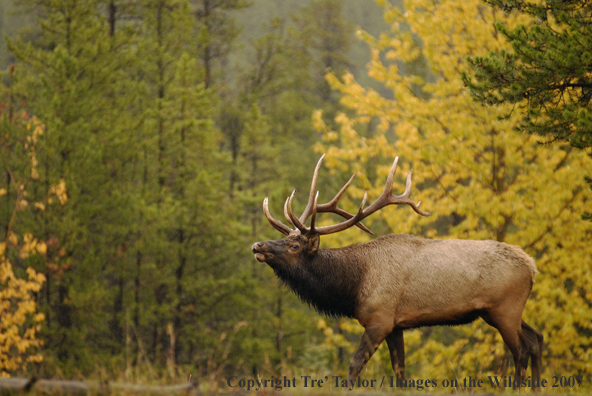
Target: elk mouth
257	250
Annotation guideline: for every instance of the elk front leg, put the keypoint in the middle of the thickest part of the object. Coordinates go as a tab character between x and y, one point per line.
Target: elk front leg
371	339
396	346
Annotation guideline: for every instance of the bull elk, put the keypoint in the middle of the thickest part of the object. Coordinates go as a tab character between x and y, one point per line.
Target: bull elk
399	282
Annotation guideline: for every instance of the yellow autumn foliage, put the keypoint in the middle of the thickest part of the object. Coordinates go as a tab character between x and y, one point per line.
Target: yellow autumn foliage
479	178
19	320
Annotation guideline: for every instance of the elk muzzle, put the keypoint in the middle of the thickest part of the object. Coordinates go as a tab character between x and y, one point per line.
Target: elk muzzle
259	249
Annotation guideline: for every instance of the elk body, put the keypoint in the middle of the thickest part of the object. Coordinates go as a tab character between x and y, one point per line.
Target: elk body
399	282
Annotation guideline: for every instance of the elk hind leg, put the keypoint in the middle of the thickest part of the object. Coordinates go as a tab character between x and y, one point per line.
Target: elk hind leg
396	346
533	342
510	328
371	340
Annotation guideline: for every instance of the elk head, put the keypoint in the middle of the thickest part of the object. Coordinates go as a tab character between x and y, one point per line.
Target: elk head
302	242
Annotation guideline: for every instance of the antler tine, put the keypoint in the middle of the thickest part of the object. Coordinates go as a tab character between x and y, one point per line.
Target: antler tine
286	214
314	214
292	217
346	224
388	190
388	187
404	198
387	197
278	225
408	184
331	206
313	187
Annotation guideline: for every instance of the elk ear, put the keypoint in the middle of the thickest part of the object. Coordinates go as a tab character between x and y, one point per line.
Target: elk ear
313	244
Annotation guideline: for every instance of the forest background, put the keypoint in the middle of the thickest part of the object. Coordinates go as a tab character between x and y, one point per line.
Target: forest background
139	139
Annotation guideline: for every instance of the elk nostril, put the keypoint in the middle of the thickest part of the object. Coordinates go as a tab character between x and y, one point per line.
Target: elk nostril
257	245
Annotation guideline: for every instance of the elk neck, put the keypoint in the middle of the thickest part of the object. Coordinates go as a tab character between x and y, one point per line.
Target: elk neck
329	281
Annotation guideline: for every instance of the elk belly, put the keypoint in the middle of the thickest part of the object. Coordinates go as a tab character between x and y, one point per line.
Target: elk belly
452	316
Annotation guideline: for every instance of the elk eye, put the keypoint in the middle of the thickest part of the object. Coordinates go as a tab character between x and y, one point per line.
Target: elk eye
294	247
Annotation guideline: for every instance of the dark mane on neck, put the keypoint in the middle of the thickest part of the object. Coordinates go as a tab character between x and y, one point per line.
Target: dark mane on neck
329	282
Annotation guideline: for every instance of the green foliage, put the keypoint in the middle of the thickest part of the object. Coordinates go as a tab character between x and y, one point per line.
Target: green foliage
149	274
326	36
217	33
65	78
136	142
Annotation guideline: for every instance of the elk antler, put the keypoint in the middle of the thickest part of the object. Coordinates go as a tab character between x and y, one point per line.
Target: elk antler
312	208
331	206
278	225
385	199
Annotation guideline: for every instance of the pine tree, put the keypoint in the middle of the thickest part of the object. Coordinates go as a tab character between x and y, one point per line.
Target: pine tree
546	72
182	255
218	32
327	36
66	75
